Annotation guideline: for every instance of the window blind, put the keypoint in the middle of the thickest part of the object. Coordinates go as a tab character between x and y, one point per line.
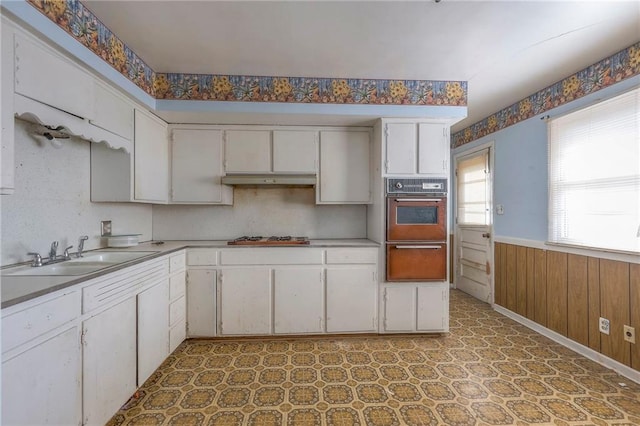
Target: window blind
594	175
472	189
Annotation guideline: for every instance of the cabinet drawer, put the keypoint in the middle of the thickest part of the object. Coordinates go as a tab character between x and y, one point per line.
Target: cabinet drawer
177	310
271	256
177	284
177	262
177	334
351	255
202	257
22	326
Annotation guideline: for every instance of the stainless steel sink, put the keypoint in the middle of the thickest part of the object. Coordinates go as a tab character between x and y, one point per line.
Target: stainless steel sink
91	262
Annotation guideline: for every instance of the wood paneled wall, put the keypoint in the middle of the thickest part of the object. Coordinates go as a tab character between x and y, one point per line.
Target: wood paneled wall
568	294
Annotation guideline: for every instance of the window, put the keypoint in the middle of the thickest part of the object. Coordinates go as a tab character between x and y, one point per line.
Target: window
473	189
594	175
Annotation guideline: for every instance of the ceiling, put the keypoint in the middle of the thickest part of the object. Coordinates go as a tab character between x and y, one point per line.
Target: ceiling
506	50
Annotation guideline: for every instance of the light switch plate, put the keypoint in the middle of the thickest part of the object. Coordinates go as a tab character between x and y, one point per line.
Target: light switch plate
105	228
499	209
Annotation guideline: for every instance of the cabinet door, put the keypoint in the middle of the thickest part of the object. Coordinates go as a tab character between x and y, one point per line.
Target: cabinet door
433	308
344	167
153	329
245	301
7	120
112	112
151	158
201	303
196	166
247	151
109	361
295	151
400	308
401	148
433	149
298	301
352	299
42	385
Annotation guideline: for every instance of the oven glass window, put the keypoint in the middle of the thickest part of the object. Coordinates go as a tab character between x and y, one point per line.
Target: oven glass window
416	215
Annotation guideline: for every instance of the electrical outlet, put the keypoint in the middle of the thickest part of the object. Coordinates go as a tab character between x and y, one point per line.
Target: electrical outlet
629	334
105	228
604	325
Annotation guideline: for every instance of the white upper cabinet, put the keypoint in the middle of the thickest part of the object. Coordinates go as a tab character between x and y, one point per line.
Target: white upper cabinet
151	158
247	151
196	168
267	151
295	151
7	120
416	149
112	112
344	167
52	79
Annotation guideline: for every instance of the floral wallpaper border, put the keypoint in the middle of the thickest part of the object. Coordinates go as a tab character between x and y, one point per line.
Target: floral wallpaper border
611	70
78	21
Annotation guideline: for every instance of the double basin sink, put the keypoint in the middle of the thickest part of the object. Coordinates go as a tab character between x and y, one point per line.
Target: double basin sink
90	262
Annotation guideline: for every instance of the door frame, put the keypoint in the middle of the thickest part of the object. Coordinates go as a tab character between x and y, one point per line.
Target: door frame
454	209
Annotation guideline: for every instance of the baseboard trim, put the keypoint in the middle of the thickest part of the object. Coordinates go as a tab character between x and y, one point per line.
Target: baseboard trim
616	366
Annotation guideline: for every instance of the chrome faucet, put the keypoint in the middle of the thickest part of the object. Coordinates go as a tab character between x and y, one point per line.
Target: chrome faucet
66	254
81	245
37	259
53	253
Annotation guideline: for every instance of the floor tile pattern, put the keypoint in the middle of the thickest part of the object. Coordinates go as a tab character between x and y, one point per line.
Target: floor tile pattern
488	370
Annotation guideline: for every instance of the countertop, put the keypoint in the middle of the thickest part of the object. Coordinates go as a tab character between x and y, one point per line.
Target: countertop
17	289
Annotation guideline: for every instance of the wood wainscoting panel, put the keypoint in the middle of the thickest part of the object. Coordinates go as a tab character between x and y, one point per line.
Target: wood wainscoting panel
521	276
503	273
557	292
614	305
497	274
512	278
594	302
577	299
531	283
540	273
634	308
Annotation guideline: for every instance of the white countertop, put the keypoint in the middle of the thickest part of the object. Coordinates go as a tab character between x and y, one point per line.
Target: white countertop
17	289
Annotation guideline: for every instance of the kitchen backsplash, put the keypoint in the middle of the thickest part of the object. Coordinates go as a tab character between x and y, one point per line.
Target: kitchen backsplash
52	201
261	211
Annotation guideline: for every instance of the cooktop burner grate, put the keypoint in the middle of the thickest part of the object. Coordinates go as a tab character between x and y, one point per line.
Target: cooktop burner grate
273	240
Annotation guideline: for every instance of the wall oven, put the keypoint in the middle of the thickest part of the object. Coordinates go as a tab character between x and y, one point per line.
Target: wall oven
416	229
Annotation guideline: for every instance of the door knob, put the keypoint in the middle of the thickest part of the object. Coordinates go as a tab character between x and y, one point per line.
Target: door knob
486	235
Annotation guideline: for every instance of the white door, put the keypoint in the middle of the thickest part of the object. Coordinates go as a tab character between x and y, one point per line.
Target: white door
201	303
433	149
352	299
473	254
151	158
298	301
400	308
295	151
247	151
153	329
245	301
433	307
401	150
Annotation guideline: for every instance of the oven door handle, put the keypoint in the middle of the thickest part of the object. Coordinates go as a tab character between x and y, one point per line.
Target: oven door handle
419	247
429	200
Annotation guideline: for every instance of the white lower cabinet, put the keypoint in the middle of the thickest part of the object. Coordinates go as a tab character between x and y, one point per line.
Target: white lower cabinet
351	299
109	361
153	329
415	308
201	303
298	301
42	384
245	301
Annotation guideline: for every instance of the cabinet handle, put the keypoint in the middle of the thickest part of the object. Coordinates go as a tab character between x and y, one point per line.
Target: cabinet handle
416	200
420	247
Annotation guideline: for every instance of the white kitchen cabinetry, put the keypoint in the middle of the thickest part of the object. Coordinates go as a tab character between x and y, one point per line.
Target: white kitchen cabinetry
351	299
196	167
109	361
151	158
245	301
112	112
415	307
247	151
298	301
415	148
344	167
271	151
201	303
153	329
177	300
7	120
41	361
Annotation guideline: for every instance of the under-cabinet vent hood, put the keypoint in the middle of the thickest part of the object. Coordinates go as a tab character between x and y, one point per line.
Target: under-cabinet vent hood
270	179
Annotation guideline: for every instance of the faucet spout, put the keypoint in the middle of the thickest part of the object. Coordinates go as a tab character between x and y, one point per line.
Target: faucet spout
53	253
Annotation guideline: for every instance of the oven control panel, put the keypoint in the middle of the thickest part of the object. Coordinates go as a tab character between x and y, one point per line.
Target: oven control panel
417	186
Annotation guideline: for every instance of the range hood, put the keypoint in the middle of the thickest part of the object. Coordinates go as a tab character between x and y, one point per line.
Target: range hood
269	179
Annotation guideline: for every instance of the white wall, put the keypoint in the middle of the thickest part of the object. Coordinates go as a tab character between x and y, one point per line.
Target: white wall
52	201
261	211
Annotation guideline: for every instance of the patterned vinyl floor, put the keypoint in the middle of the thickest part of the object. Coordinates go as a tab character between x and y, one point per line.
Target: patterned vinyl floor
488	371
